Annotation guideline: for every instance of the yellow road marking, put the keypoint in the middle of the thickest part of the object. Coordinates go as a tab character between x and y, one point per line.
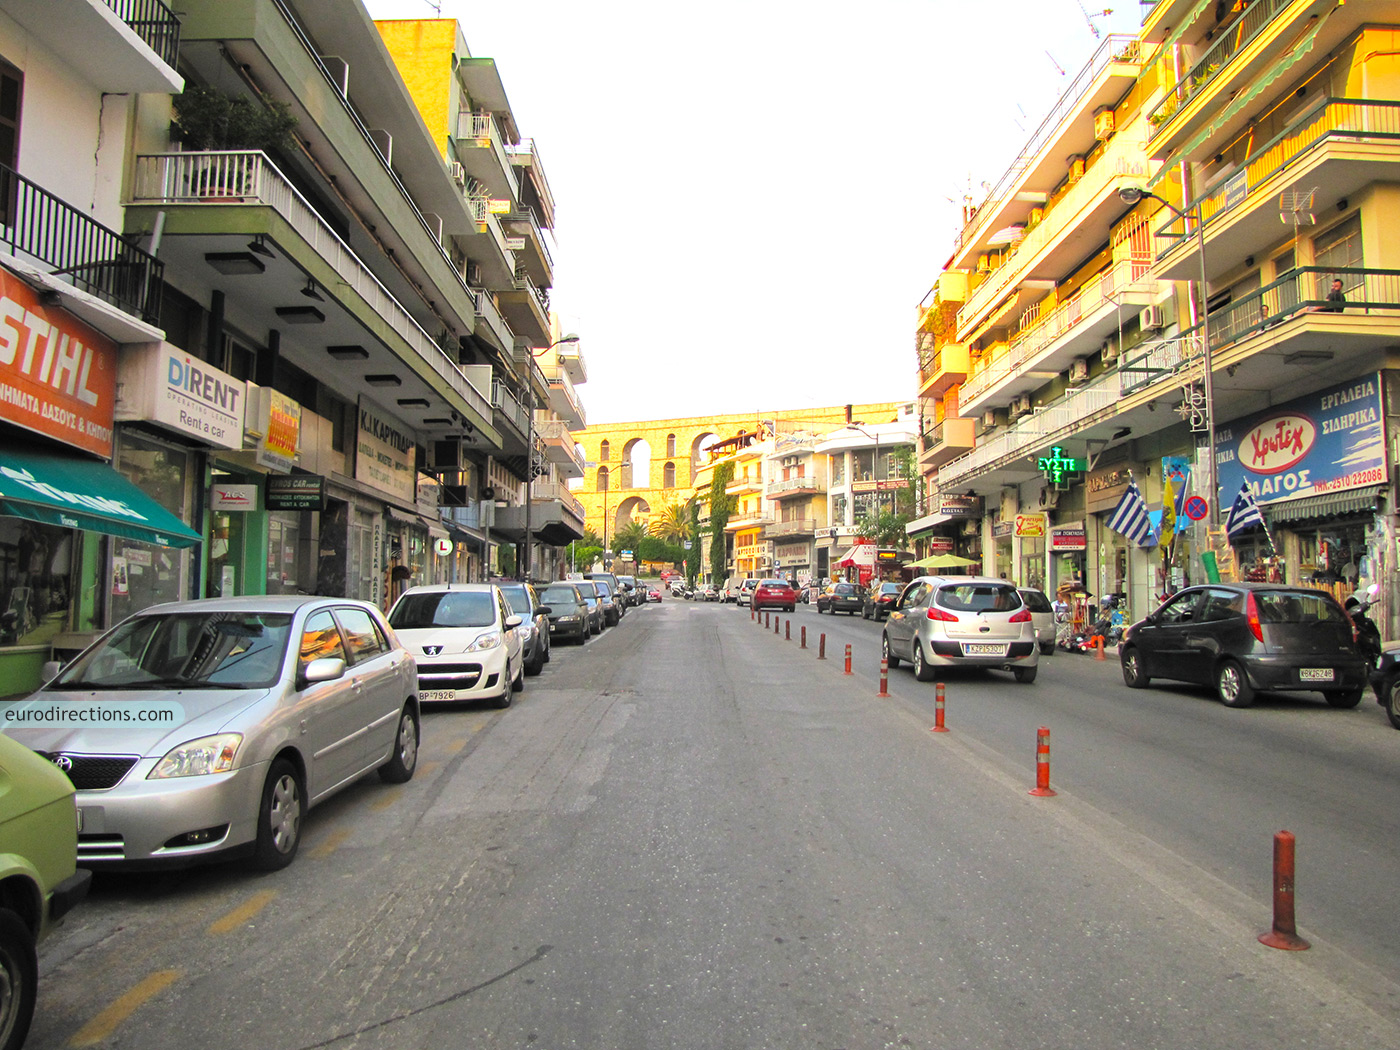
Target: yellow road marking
330	844
386	800
424	768
241	914
101	1027
453	746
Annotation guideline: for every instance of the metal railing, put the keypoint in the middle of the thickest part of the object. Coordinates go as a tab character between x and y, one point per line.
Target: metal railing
526	215
178	178
154	23
1169	357
806	483
548	491
1116	47
792	527
1235	38
487	314
506	402
36	224
480	209
1329	118
475	128
527	148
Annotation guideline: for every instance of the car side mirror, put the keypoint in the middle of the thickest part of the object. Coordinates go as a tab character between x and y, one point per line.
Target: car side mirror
545	610
325	669
513	621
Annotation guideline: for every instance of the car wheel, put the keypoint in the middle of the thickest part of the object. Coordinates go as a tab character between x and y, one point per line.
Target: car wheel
1232	685
1025	675
399	769
922	670
890	659
517	684
1346	698
1392	704
279	818
535	666
547	645
19	979
1133	677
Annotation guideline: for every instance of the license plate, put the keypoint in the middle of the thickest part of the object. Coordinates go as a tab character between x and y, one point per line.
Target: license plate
437	694
983	649
1315	674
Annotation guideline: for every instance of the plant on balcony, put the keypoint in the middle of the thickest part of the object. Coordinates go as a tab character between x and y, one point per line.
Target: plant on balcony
206	119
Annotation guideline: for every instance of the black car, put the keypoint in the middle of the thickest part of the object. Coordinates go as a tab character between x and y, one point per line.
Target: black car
567	611
842	597
880	600
1242	638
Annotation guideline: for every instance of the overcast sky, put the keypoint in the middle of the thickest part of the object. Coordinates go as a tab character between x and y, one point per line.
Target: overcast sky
754	196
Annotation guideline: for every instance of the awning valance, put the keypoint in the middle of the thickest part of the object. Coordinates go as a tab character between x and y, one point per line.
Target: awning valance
84	494
1353	501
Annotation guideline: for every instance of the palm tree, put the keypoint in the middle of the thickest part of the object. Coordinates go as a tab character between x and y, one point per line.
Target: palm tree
630	536
673	524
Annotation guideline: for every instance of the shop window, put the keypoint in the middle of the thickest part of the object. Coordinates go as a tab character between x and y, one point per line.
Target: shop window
144	574
37	580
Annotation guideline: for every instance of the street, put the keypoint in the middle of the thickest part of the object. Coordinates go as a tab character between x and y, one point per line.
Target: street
692	833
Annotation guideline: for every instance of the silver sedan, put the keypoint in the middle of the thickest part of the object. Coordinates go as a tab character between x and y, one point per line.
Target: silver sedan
206	729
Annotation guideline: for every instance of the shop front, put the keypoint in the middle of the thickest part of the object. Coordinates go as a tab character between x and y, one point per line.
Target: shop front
793	561
1032	532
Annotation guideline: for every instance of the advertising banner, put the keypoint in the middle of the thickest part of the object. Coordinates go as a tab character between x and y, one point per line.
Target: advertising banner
1030	524
1069	537
384	453
58	377
1325	442
165	385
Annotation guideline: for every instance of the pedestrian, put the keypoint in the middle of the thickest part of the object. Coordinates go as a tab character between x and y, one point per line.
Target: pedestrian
1336	300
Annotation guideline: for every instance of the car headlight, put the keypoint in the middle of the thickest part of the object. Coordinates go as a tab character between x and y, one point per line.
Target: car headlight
197	758
566	619
485	641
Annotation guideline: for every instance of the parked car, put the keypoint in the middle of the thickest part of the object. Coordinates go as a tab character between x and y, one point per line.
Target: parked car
708	593
594	599
566	611
730	591
746	589
525	602
842	597
879	600
654	595
1043	616
611	581
961	621
612	608
774	593
283	701
41	884
464	638
1244	638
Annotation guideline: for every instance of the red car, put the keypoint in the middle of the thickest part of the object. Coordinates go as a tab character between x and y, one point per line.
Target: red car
775	593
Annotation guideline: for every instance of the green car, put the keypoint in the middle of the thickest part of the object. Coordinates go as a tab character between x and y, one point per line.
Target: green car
39	882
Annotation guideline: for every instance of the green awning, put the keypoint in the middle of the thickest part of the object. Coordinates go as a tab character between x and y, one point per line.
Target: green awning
1330	505
84	494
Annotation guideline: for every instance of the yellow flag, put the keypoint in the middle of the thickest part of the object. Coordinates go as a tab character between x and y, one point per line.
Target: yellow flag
1168	512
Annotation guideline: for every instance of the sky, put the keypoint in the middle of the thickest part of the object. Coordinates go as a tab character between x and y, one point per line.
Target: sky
753	197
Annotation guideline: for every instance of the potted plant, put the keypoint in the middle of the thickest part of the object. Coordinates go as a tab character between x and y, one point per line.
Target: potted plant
206	120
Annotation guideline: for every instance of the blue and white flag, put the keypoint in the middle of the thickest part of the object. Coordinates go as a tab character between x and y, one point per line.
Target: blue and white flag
1244	512
1130	517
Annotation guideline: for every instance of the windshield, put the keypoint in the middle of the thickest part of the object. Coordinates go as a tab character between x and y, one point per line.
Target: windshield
559	596
980	597
223	650
890	588
444	609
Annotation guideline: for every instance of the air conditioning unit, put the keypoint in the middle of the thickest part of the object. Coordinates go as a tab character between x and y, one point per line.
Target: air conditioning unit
1104	124
1076	167
984	262
1151	319
444	456
488	494
1037	214
459	173
989	419
472	272
1110	351
1020	406
1078	372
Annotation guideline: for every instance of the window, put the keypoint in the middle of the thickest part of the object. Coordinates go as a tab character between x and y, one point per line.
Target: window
320	639
979	597
361	634
603	477
604	452
1337	249
1221	605
1180	609
670	446
668	475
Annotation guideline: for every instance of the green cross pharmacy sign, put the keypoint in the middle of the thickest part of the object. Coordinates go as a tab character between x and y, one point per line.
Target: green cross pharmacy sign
1057	467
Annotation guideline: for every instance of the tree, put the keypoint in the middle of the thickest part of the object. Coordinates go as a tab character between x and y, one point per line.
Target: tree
653	549
207	119
692	556
630	537
721	506
672	524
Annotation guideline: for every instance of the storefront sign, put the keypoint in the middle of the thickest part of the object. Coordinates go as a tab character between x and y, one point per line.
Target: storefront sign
959	506
1002	529
1057	467
884	485
1069	537
163	384
295	492
1106	486
442	547
1030	524
384	453
233	497
58	377
1326	442
940	545
279	418
793	552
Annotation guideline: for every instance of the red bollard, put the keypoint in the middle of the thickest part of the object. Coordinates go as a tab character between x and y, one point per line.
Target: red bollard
938	726
787	630
753	614
884	677
804	637
848	658
777	624
821	646
1284	935
1042	763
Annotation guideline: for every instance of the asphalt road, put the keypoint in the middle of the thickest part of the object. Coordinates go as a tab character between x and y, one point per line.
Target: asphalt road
692	833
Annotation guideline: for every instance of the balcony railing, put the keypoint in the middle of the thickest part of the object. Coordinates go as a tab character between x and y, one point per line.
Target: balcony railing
1117	47
806	483
792	527
478	130
554	490
192	178
504	401
528	149
80	249
480	209
1331	118
154	23
1170	357
1227	45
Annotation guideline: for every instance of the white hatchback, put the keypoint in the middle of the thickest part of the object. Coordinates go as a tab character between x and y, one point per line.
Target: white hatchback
464	639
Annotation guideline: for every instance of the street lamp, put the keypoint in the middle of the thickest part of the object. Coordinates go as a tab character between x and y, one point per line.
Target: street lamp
530	454
1131	195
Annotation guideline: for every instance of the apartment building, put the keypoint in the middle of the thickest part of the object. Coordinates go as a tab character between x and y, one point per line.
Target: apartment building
1071	348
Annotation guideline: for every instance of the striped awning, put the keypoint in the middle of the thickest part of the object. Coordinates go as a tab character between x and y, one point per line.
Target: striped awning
1333	504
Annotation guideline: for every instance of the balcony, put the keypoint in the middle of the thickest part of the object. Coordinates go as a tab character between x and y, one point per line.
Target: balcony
1165	18
481	149
219	201
556	516
511	418
535	193
791	527
560	447
527	241
490	325
121	46
807	485
946	368
1075	329
526	310
947	441
743	487
72	248
477	515
570	359
488	247
1040	167
1342	144
564	399
753	520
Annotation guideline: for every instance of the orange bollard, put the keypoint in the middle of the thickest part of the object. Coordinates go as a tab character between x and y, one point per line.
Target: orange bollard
1042	764
1098	652
1284	935
848	658
884	677
787	630
938	726
804	637
821	646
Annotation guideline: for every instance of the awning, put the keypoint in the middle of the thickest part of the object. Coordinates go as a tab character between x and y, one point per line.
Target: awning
1353	501
860	554
85	494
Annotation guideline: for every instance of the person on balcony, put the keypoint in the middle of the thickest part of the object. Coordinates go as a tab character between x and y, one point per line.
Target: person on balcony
1336	300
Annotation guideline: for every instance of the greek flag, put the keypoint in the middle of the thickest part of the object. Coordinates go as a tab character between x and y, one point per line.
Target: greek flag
1244	512
1130	517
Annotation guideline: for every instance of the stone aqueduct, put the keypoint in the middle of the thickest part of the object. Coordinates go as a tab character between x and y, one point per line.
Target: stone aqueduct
674	450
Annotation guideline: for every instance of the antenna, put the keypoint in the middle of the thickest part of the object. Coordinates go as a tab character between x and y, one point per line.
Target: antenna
1090	17
1055	64
1296	207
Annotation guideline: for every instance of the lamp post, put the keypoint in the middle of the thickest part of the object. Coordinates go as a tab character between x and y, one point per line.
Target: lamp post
1132	195
530	455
